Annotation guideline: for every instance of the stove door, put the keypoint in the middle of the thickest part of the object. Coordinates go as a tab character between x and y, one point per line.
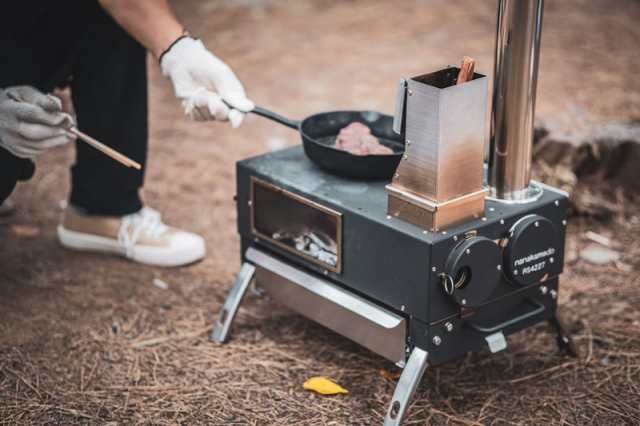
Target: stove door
298	225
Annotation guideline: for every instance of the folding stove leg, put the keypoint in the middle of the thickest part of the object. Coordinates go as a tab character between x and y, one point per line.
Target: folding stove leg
223	324
565	343
406	387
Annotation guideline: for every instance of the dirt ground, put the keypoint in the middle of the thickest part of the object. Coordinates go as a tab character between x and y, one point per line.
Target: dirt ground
86	339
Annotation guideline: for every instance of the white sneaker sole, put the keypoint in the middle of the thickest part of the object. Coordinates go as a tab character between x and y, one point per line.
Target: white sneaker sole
148	255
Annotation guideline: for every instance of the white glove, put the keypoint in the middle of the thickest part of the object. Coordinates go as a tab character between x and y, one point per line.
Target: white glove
202	81
32	122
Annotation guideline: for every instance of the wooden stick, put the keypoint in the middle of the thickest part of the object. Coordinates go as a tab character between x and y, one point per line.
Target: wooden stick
466	70
94	143
105	149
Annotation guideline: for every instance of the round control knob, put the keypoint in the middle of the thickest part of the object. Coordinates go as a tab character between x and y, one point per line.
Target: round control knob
531	253
472	271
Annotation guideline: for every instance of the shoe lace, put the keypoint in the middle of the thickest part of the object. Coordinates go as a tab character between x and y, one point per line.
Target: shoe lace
147	221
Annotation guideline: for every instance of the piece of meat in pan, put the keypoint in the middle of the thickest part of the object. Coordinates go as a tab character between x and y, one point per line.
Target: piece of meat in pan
356	139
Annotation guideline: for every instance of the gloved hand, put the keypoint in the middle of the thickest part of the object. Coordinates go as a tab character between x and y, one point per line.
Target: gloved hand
202	81
32	122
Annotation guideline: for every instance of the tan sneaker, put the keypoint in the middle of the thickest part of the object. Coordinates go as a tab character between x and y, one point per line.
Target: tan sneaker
141	237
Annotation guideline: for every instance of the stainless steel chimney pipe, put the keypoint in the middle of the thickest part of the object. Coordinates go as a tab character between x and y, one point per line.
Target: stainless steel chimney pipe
514	98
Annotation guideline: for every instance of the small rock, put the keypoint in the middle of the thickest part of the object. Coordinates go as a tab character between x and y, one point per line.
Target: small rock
599	255
158	283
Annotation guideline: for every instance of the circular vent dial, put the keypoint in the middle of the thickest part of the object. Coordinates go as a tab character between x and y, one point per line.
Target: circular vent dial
472	271
531	255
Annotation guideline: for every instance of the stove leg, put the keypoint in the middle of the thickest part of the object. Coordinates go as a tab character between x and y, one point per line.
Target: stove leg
565	343
406	387
221	328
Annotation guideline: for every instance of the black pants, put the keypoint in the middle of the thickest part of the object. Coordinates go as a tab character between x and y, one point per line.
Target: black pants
49	44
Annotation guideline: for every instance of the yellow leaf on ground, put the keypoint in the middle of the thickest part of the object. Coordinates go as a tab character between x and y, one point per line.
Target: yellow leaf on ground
323	386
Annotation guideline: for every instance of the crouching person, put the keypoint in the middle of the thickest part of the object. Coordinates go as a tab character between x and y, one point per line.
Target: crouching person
99	50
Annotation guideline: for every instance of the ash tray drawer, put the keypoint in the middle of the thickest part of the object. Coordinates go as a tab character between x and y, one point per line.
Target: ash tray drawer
366	323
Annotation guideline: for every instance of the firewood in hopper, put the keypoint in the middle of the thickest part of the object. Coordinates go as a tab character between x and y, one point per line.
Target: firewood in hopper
356	139
466	70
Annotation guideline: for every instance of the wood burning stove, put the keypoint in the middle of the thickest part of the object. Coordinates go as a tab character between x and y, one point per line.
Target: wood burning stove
429	266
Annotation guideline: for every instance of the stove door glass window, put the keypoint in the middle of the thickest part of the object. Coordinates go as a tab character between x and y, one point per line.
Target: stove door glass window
296	224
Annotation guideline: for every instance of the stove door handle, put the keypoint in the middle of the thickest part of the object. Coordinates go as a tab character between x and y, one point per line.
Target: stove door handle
538	308
273	116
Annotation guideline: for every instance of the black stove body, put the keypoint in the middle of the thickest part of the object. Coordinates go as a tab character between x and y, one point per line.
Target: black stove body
512	256
403	292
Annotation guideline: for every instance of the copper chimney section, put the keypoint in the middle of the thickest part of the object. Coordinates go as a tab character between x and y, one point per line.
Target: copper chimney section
514	98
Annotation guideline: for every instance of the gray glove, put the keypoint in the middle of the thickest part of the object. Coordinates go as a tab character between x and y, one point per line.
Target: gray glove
32	122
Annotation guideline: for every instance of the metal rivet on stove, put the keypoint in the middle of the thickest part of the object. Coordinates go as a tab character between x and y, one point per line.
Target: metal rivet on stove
536	223
249	203
551	260
564	222
433	269
463	301
554	294
468	251
425	232
501	221
484	219
515	272
436	340
448	326
455	238
557	203
499	267
544	289
388	216
402	308
444	232
492	209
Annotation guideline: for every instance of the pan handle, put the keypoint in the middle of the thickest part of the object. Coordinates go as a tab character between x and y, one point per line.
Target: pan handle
263	112
273	116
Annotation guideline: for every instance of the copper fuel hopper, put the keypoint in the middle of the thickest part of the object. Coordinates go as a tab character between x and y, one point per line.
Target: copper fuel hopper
447	256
